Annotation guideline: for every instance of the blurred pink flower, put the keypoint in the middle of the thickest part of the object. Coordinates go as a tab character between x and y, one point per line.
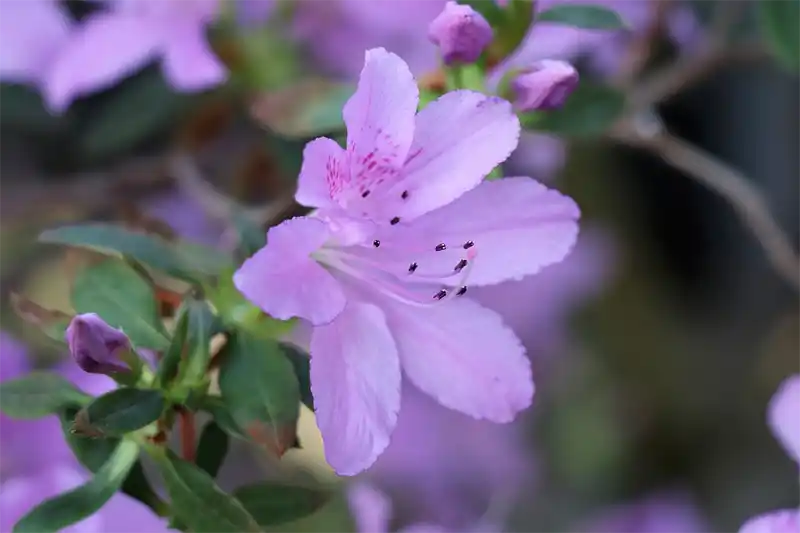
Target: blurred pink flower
460	32
663	512
112	45
404	218
37	463
372	511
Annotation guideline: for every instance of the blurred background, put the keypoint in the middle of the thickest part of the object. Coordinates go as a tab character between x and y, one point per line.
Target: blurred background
656	345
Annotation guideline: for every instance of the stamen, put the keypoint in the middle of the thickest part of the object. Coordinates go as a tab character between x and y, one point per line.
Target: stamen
376	243
439	295
404	195
412	267
441	247
460	266
462	291
394	221
468	245
365	194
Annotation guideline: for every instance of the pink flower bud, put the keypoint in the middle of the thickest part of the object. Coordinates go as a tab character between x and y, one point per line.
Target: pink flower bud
95	345
545	85
461	32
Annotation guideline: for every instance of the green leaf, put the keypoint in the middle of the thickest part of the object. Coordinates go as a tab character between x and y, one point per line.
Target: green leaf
589	111
73	506
212	448
169	364
780	24
222	416
124	410
38	394
122	298
515	27
302	370
307	109
272	504
24	109
259	386
181	260
93	453
202	324
492	12
139	108
251	237
587	16
198	502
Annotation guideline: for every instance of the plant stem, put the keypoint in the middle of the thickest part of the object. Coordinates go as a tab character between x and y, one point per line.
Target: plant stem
188	433
730	184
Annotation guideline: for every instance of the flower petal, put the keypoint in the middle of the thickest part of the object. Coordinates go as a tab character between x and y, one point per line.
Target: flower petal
784	416
784	521
370	507
284	281
189	63
380	123
324	162
458	140
355	380
105	49
464	356
517	226
31	33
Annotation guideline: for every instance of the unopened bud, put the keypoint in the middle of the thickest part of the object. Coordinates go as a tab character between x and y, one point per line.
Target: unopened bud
96	346
460	32
544	86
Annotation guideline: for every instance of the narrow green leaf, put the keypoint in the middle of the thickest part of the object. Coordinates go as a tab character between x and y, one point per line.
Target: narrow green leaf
212	448
122	298
38	394
169	364
179	259
259	386
589	111
125	410
251	237
202	324
302	370
93	453
73	506
272	504
780	24
198	502
587	16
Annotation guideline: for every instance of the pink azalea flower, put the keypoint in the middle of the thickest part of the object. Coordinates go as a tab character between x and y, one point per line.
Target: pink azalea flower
372	511
31	34
783	416
786	521
114	44
404	223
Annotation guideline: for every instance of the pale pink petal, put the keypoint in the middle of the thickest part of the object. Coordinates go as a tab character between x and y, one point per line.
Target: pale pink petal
106	48
517	227
784	416
189	63
464	356
458	140
31	33
380	124
426	528
284	281
785	521
355	380
370	507
324	161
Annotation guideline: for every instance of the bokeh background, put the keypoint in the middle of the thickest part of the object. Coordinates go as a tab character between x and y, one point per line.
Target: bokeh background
656	345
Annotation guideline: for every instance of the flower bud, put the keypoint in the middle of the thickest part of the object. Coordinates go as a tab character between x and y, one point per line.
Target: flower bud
96	346
460	32
545	85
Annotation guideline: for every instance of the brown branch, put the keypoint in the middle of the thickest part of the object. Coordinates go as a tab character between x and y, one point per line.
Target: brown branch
746	200
188	434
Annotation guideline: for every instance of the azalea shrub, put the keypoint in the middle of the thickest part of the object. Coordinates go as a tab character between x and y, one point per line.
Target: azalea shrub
364	305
